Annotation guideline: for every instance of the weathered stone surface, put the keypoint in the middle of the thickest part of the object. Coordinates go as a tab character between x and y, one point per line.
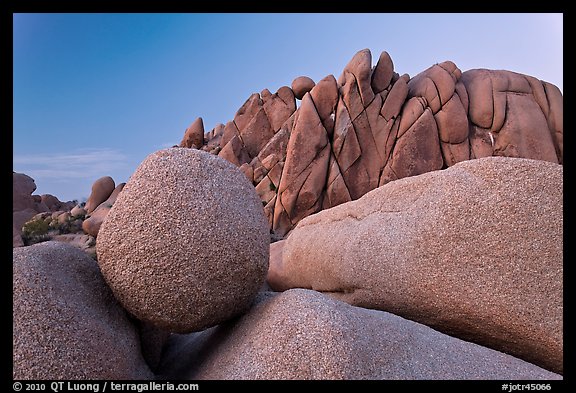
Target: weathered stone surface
436	85
230	131
383	73
56	213
67	323
17	237
350	94
508	107
256	133
555	117
360	66
213	137
301	86
474	251
51	202
383	126
279	107
304	173
278	144
22	188
86	243
275	271
396	98
248	171
235	152
416	151
184	272
64	218
77	211
325	98
194	135
247	111
20	217
266	190
101	190
152	342
92	223
301	334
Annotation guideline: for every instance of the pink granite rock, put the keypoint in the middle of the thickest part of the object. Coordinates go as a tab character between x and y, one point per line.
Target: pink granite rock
301	86
22	188
382	126
302	334
92	223
199	256
304	173
194	135
474	251
67	323
101	190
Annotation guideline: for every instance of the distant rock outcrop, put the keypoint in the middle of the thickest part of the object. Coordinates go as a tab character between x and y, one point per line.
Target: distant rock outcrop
186	244
67	323
302	334
474	251
25	205
101	190
39	218
94	220
373	126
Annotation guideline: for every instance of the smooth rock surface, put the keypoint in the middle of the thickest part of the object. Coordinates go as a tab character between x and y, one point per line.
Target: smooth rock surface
474	251
302	334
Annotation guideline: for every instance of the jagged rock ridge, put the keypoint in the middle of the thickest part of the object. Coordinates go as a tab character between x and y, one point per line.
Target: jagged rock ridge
372	126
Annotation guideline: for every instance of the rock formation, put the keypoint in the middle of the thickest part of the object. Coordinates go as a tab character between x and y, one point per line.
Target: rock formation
186	244
39	218
301	86
373	126
25	205
474	251
302	334
385	192
67	323
94	220
101	190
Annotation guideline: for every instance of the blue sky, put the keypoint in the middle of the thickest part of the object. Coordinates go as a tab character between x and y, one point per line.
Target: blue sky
94	94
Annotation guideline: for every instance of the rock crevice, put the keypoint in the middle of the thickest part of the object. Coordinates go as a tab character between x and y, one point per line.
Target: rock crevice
379	127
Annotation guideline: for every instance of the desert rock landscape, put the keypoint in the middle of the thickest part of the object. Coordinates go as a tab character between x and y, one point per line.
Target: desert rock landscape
370	226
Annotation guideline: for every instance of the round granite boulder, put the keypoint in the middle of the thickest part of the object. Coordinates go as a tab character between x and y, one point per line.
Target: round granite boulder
186	244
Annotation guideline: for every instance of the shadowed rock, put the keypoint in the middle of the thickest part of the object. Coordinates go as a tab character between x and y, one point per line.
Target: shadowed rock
67	323
301	334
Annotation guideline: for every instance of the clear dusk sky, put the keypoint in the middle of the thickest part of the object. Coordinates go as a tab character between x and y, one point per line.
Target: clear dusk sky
94	94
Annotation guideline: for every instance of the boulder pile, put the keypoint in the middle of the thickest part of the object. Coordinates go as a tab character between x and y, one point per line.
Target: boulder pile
372	126
386	228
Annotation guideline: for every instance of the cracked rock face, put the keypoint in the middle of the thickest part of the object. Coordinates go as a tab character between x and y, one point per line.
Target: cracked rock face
321	338
474	251
186	244
373	126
